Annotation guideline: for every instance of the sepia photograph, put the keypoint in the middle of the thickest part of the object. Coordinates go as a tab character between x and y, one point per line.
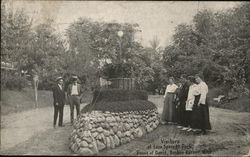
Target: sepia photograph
125	78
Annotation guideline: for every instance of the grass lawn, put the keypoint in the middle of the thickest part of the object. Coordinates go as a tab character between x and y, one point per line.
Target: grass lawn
241	104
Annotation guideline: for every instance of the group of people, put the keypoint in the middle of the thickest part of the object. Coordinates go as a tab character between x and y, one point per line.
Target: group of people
72	93
185	104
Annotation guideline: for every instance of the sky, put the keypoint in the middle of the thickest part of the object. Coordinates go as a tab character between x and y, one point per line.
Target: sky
156	18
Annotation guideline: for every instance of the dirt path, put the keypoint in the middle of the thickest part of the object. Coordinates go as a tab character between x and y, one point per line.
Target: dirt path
19	127
32	133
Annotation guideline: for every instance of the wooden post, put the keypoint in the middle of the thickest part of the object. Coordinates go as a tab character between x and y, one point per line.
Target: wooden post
36	80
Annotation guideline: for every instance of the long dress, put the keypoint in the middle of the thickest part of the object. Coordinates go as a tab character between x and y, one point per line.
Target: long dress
181	108
169	108
200	115
196	114
193	90
177	105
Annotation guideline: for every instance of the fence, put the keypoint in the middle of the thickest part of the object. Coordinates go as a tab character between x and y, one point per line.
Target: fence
121	83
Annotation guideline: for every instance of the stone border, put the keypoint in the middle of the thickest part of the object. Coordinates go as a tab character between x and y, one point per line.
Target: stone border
97	130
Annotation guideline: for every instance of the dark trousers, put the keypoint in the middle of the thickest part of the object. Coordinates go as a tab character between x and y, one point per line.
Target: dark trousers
74	102
188	116
58	109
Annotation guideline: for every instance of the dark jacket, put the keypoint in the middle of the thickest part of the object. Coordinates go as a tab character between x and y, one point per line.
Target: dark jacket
184	93
58	95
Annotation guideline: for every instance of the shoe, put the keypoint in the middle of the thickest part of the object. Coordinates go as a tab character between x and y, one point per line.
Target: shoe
189	129
197	132
61	125
163	123
179	127
204	132
54	126
184	129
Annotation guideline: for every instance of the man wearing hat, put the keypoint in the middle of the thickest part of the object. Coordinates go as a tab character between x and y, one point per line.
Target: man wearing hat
74	94
59	101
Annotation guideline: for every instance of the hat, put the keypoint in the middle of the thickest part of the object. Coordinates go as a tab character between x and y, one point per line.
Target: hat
59	78
74	77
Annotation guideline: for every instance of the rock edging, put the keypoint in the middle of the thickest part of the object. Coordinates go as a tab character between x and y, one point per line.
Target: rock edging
98	130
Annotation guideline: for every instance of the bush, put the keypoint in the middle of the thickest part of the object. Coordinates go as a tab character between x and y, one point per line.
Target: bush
111	95
120	106
46	83
16	82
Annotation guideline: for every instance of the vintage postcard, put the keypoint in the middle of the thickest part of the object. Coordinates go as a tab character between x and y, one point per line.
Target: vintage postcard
125	78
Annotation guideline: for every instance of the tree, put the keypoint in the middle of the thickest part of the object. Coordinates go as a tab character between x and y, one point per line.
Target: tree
99	43
216	45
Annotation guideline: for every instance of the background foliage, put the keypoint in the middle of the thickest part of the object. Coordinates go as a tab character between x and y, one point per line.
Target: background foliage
215	44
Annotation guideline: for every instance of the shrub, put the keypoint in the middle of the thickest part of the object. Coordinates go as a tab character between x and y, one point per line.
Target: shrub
16	82
111	95
46	83
120	106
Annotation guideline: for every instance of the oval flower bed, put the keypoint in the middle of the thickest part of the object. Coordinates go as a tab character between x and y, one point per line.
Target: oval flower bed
98	130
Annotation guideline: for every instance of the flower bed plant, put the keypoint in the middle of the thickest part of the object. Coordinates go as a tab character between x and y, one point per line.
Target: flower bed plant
120	106
111	95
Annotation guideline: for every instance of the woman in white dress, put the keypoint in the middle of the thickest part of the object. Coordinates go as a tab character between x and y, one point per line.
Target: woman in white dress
169	108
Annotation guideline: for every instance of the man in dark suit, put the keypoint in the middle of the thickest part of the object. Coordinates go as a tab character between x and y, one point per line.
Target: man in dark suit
74	96
59	101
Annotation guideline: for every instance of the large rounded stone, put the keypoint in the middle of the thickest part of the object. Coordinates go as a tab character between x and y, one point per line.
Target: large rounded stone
108	143
127	133
94	149
103	138
123	141
111	132
88	139
132	137
116	140
94	134
115	129
93	130
83	144
127	126
128	139
106	133
107	112
112	143
100	129
75	147
119	134
78	140
120	128
108	119
99	137
85	151
100	145
118	119
138	132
